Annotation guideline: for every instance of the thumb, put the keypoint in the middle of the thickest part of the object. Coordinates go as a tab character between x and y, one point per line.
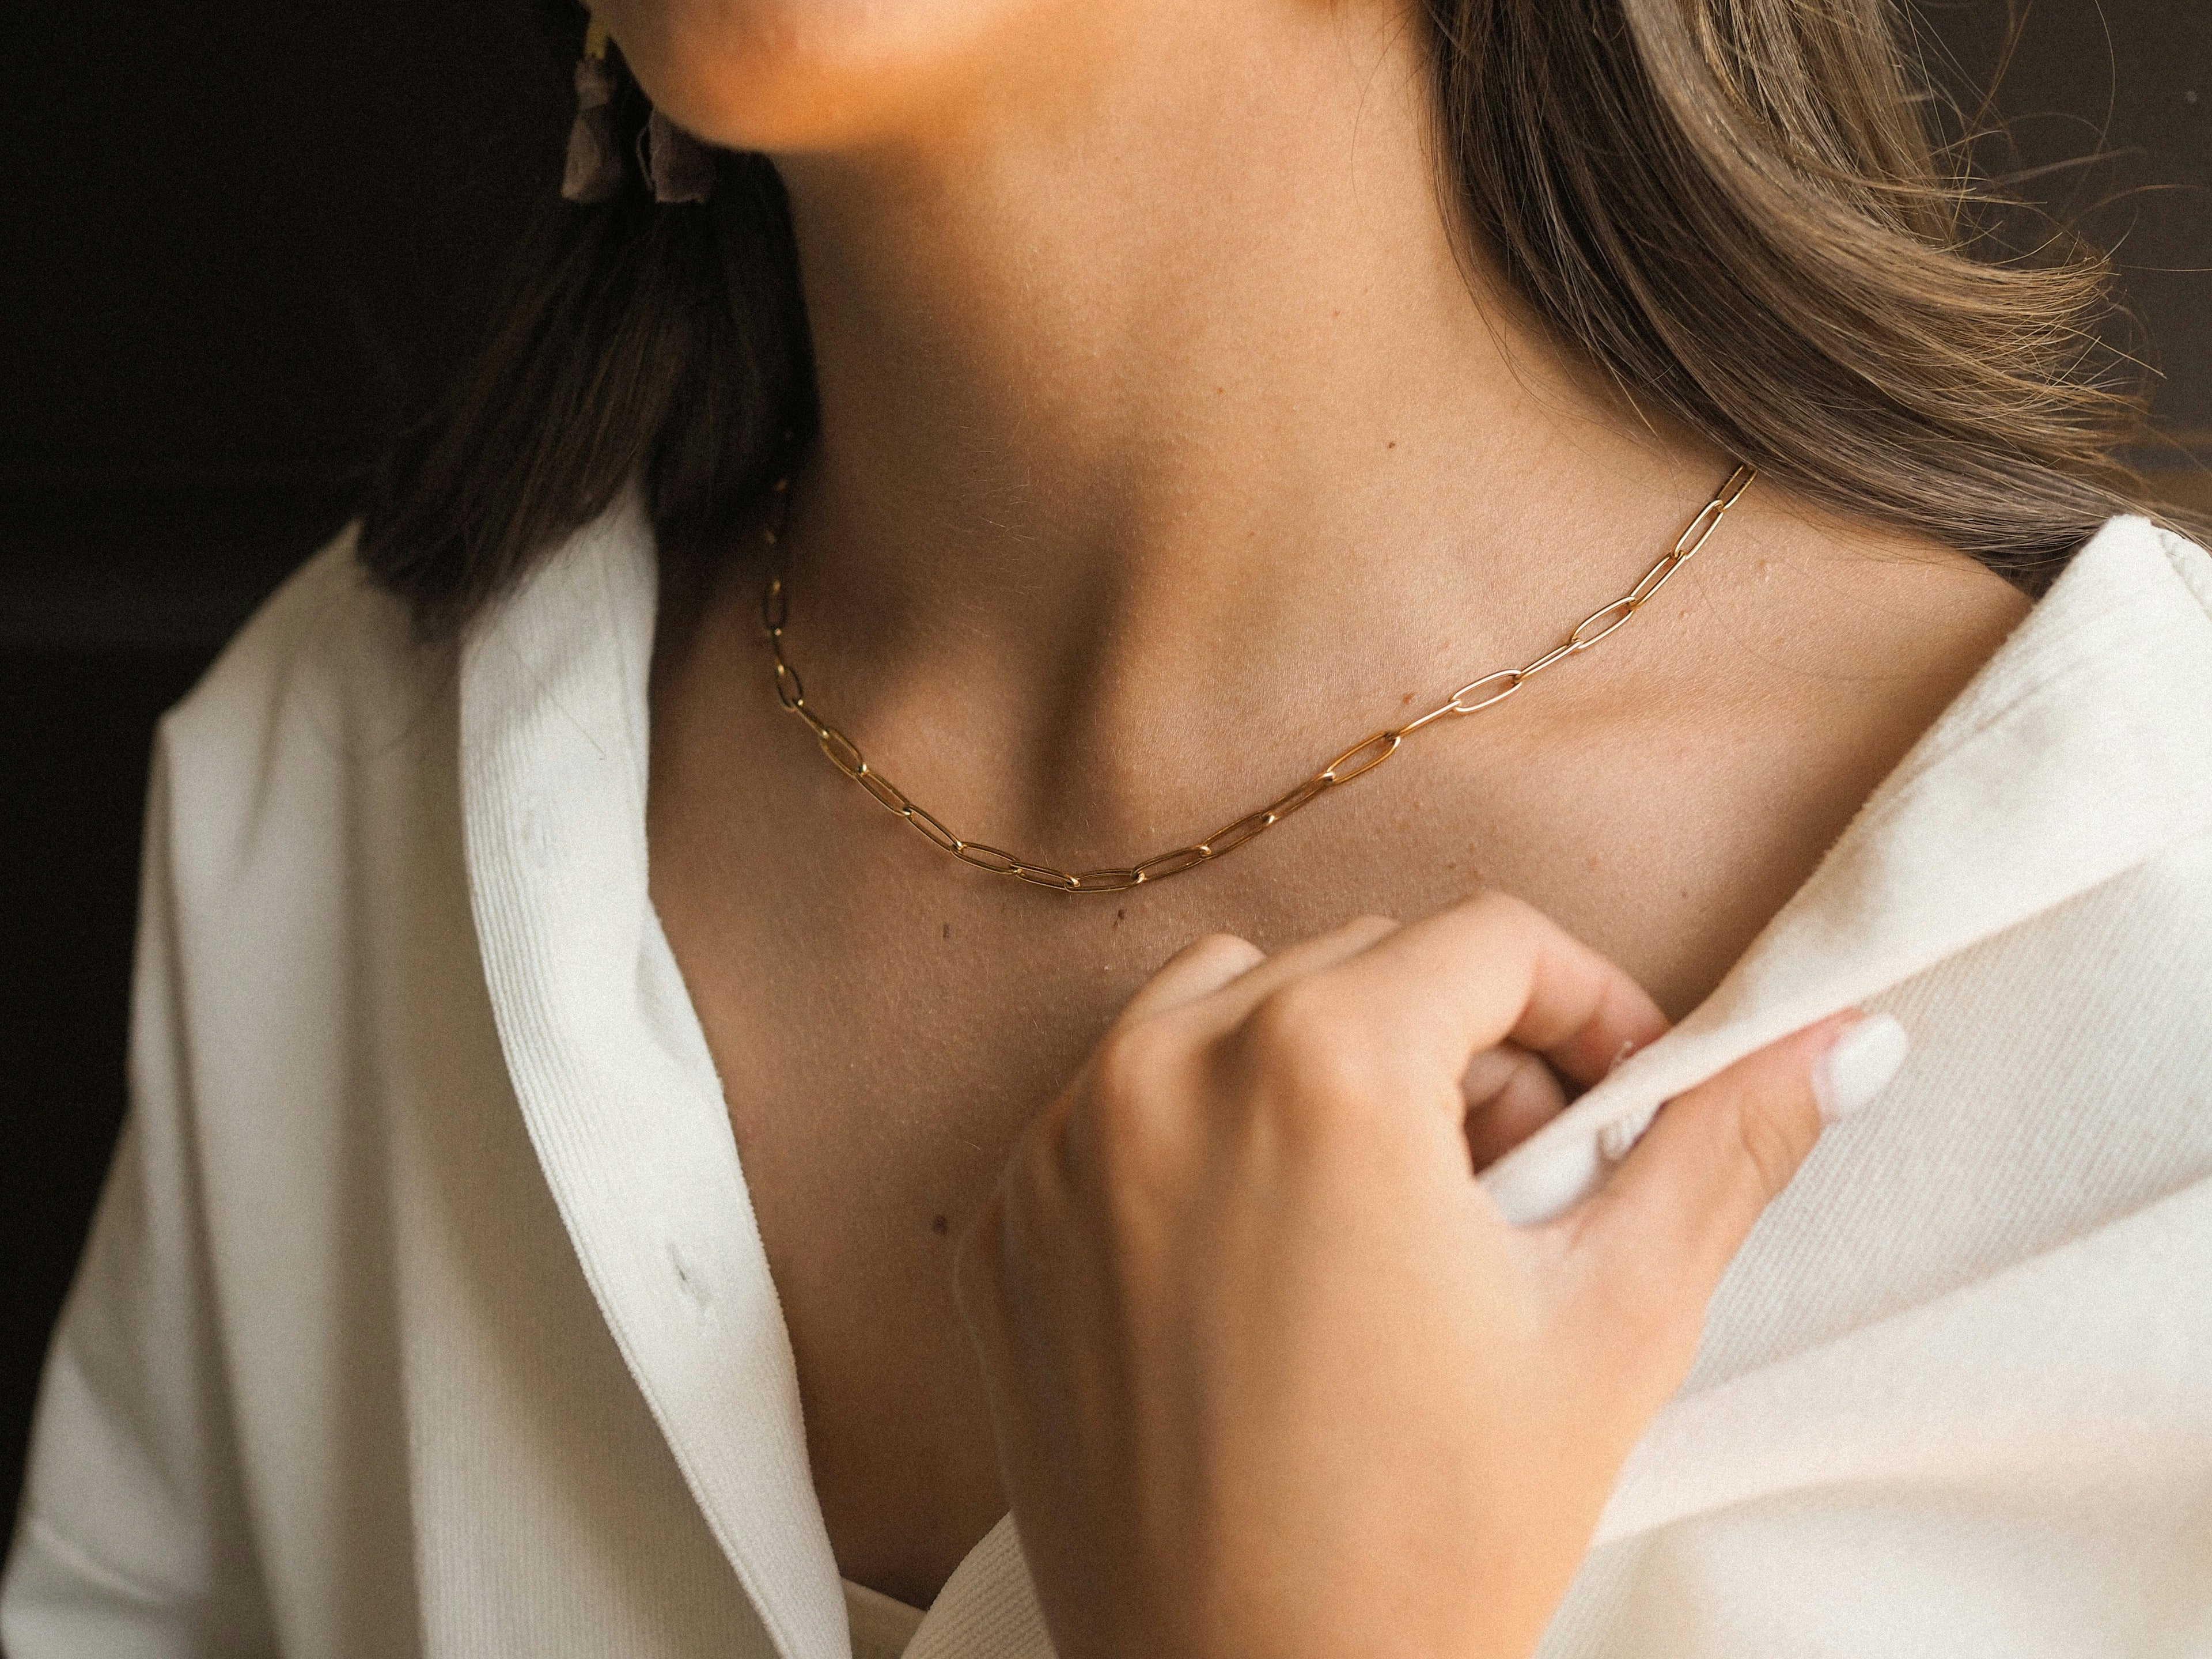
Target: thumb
1684	1200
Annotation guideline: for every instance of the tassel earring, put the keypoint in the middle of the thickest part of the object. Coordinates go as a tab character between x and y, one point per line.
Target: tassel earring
680	168
595	169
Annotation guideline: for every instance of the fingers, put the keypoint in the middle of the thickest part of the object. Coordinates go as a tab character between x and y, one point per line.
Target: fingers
1219	962
1200	969
1681	1203
1511	1094
1300	961
1486	971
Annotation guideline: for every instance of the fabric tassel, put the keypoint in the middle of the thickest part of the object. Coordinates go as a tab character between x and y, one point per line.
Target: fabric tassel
680	168
594	170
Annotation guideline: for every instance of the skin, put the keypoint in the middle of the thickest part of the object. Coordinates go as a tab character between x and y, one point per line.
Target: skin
1269	1372
1169	446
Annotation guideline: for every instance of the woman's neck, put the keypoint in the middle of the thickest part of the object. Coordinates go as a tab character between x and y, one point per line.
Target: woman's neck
1115	373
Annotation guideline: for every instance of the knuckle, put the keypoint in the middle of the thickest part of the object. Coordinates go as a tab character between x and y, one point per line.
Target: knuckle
1132	1103
1133	1060
1297	1023
1306	1051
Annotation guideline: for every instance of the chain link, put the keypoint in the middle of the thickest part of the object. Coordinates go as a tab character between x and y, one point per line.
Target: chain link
1357	762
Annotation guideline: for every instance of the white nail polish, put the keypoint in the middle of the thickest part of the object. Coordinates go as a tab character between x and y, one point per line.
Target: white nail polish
1859	1066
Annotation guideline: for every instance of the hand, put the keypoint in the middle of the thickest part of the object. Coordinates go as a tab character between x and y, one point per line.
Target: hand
1269	1374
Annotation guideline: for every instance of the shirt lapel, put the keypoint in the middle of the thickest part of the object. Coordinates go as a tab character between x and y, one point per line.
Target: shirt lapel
611	1069
2083	748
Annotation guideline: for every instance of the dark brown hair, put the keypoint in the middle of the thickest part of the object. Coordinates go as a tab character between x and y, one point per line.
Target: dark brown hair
1740	209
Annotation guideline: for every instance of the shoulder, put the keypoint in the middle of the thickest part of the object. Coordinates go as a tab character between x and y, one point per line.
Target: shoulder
2189	560
328	647
324	698
2119	657
2141	592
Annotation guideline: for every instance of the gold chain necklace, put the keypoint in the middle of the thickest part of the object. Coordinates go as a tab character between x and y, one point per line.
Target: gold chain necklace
1357	762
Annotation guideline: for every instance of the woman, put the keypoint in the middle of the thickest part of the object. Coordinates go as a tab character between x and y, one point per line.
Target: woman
1118	410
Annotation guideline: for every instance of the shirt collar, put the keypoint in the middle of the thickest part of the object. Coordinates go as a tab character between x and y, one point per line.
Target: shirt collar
2081	749
610	1066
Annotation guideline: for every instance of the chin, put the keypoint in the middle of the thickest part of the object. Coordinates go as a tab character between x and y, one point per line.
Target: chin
798	75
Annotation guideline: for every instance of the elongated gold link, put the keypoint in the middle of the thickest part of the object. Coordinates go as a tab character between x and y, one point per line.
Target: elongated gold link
1355	762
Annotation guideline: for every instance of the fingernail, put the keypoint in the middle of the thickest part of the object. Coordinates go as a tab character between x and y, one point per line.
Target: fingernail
1858	1065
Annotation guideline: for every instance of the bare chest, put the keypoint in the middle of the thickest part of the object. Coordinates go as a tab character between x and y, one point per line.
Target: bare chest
885	1022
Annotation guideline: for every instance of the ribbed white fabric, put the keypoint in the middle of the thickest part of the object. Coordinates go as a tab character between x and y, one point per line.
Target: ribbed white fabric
882	1627
425	1312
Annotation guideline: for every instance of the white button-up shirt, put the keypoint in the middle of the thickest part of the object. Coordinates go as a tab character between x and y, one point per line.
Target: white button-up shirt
425	1312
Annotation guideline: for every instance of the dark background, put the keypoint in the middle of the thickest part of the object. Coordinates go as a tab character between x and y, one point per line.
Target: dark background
241	241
